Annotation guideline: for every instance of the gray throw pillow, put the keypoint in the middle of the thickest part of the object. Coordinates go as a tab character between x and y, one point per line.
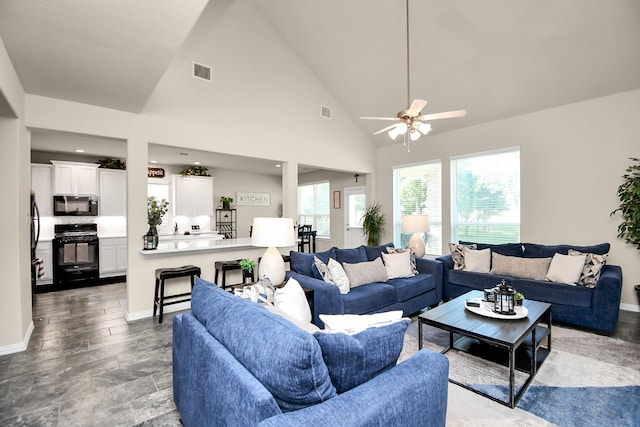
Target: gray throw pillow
365	272
523	268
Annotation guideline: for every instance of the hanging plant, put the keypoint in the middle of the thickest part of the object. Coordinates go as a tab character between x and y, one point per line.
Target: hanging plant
113	164
195	171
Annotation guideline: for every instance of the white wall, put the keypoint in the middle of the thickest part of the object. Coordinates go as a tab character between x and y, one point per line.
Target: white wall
572	160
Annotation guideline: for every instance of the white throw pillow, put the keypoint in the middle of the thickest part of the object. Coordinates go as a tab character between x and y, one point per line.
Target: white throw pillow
478	261
566	268
292	300
338	276
398	264
353	323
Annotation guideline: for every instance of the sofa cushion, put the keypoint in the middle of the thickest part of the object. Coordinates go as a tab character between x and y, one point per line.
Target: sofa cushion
289	363
352	256
457	254
373	252
355	359
303	263
516	266
365	272
566	268
476	280
398	264
369	298
554	293
508	249
409	287
592	268
477	260
533	250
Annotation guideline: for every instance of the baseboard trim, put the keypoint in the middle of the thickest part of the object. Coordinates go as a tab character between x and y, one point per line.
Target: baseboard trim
630	307
18	347
138	315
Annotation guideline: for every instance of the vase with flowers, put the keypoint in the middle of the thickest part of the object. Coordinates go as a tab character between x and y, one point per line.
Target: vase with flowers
156	209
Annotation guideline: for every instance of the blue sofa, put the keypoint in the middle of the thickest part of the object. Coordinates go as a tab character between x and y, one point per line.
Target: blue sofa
591	308
409	294
237	364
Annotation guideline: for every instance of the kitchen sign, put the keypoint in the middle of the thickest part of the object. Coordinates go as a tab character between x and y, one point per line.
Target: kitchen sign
155	173
253	199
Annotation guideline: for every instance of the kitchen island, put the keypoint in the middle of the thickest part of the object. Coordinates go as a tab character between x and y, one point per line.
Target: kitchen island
175	246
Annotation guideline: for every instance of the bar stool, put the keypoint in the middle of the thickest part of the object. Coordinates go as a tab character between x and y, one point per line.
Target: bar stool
171	273
224	266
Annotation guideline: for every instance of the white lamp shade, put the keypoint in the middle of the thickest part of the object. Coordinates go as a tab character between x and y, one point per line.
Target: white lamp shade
273	232
415	223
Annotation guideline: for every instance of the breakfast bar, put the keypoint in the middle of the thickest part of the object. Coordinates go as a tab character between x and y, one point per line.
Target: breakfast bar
170	247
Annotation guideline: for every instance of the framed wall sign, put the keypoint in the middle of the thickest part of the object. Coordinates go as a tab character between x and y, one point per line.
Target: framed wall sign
253	199
336	199
155	172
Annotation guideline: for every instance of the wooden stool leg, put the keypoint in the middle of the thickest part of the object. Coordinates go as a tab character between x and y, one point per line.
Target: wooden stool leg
224	278
161	300
155	297
216	279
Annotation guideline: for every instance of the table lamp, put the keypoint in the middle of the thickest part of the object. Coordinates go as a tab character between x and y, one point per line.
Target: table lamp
416	224
271	233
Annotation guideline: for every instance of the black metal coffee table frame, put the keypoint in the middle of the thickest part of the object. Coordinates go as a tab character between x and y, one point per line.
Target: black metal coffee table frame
507	334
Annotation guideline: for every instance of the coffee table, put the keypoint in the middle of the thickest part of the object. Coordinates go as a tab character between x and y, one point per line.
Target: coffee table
507	334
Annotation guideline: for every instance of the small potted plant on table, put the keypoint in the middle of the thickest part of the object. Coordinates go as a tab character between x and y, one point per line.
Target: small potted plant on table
226	202
247	266
518	298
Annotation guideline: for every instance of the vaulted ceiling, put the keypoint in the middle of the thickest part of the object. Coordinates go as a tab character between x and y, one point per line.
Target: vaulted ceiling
495	58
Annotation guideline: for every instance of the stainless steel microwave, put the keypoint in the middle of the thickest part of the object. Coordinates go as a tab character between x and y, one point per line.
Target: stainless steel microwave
75	205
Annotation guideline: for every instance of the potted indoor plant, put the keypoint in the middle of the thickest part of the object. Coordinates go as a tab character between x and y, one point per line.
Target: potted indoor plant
629	195
226	202
156	209
247	266
373	224
518	298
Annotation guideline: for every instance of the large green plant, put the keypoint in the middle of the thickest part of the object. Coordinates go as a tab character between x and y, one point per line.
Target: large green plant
629	195
373	224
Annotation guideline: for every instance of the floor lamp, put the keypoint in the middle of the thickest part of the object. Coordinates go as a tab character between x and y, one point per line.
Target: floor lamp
416	224
271	233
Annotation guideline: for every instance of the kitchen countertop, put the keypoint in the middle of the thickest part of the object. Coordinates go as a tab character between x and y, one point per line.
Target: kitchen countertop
182	246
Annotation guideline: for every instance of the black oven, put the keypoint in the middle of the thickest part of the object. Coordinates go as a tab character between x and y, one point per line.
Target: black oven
75	255
75	205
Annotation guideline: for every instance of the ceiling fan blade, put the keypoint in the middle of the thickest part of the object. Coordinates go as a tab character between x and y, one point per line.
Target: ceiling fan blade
443	115
416	107
385	129
378	118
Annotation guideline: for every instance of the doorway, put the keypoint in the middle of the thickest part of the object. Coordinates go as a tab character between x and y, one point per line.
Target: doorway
355	203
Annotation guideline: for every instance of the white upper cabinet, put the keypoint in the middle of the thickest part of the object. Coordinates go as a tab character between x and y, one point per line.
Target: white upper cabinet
76	179
41	185
192	195
113	192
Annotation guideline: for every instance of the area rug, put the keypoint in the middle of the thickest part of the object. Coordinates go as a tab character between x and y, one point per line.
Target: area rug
586	380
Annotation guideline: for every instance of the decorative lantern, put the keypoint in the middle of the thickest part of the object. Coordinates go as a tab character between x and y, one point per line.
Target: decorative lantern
504	299
150	241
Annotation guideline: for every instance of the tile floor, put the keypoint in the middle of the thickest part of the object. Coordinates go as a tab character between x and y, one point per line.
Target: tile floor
87	366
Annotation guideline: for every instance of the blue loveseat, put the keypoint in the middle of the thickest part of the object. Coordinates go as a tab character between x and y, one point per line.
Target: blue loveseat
594	308
237	364
409	294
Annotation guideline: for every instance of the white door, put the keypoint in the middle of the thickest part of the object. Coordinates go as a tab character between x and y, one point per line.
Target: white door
355	203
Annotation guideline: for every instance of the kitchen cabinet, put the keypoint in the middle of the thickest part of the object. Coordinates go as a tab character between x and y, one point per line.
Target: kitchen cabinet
113	192
44	251
192	195
41	185
113	256
75	179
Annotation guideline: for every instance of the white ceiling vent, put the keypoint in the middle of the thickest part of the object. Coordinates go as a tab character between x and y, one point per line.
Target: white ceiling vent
202	71
325	112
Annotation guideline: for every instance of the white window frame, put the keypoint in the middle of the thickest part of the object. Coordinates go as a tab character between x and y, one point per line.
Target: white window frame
515	217
315	215
433	209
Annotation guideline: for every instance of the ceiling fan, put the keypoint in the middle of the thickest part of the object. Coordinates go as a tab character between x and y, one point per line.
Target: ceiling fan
411	122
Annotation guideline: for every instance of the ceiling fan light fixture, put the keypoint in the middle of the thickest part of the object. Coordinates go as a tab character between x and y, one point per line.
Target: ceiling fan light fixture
414	134
393	133
424	128
402	128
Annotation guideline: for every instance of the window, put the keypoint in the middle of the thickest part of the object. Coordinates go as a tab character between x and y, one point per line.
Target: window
313	207
485	197
417	189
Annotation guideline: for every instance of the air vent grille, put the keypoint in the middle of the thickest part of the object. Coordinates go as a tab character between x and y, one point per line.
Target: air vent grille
325	112
202	71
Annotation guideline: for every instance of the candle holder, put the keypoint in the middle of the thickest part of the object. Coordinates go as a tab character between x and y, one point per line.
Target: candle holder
504	302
